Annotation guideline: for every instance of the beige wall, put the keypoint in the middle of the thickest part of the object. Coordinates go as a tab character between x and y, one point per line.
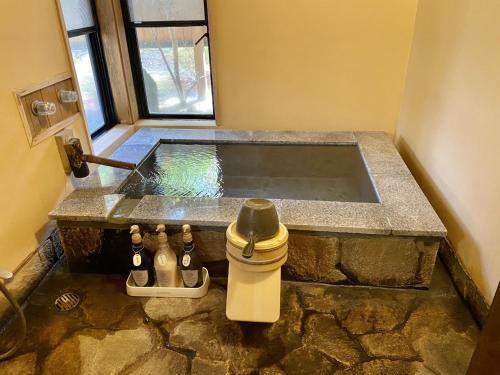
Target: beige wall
310	65
449	130
281	64
32	179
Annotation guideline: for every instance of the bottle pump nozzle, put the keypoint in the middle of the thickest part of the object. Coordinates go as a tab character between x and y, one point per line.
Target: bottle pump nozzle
135	231
186	233
162	236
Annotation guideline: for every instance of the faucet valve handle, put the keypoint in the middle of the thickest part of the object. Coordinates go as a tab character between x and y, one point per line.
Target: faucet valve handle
41	108
78	160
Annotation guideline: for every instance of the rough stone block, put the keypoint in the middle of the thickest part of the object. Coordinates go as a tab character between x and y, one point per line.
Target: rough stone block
199	336
387	366
315	299
323	334
82	240
22	365
428	252
465	286
164	361
444	335
105	347
363	313
211	244
82	246
389	261
55	237
202	366
302	360
313	258
388	345
380	261
27	277
180	308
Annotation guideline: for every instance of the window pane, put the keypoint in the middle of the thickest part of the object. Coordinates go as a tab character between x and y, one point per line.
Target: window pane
166	10
86	80
77	14
176	72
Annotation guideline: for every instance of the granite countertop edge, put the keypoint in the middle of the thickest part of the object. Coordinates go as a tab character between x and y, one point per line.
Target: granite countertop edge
403	209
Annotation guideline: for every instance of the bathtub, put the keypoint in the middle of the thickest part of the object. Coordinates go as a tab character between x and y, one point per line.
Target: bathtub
354	211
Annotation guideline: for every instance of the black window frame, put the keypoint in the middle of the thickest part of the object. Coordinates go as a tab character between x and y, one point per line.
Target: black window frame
100	69
136	66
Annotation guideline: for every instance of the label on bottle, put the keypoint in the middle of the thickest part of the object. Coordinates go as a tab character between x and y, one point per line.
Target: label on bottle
162	260
137	260
186	260
164	279
140	277
190	277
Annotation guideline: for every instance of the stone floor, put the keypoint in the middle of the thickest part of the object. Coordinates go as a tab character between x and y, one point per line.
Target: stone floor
323	330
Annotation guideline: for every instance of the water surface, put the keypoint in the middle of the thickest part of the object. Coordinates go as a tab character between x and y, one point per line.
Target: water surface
301	172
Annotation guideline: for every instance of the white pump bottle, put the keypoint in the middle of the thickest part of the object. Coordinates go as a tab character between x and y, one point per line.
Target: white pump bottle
165	262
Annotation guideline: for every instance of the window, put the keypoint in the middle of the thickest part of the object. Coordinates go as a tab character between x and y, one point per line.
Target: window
90	66
170	56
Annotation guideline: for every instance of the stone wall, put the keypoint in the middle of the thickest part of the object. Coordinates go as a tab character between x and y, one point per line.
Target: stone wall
30	273
330	258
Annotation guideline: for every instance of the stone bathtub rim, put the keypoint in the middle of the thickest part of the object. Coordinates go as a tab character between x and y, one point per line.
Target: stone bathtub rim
403	209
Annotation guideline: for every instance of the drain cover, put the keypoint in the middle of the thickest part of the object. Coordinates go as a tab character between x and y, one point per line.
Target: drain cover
67	301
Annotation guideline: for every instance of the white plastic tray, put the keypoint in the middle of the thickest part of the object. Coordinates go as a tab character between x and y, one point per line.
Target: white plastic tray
179	292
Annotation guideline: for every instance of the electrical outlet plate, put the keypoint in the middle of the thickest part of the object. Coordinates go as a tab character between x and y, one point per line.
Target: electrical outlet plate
61	139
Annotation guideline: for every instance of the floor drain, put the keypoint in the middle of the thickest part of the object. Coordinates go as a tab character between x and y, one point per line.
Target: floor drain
67	301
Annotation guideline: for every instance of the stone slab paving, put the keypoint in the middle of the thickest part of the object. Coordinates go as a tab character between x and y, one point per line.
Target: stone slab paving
323	329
